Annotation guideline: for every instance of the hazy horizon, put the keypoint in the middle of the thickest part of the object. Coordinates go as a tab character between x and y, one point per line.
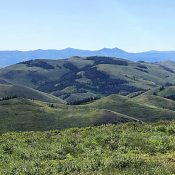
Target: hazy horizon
89	50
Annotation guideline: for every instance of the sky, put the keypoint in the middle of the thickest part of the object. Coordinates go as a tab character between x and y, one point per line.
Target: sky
132	25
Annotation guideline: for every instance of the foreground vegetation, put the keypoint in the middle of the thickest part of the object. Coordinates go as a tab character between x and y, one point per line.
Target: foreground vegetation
130	148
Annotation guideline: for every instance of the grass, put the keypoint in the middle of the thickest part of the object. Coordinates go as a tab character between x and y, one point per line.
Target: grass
26	92
80	62
168	64
29	115
168	91
32	115
134	108
155	75
153	100
133	148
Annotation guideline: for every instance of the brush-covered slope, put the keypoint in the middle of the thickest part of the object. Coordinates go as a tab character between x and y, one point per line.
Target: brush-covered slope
11	91
28	115
156	101
96	75
126	149
163	91
169	65
150	111
167	92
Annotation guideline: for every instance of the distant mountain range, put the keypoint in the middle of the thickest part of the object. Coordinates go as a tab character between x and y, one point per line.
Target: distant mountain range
12	57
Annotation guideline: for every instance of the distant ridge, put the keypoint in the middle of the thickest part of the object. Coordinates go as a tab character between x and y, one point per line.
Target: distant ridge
12	57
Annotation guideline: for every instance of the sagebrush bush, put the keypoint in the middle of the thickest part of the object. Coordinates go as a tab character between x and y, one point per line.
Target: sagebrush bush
112	149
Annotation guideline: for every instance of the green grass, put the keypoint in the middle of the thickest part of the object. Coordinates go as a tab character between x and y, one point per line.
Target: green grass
168	64
26	92
80	62
155	74
126	149
21	74
168	91
134	108
163	91
29	115
153	100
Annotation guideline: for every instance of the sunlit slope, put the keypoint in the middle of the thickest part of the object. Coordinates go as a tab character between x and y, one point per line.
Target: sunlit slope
155	101
134	108
29	115
163	91
8	91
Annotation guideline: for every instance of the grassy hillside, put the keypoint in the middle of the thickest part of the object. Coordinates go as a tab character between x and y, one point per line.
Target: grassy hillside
132	149
29	115
100	76
168	92
25	92
82	81
163	91
168	65
135	108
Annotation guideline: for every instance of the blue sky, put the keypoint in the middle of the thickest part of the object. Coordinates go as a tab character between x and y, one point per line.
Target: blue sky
132	25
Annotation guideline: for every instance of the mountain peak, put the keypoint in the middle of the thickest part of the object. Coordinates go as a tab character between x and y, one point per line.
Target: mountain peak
12	57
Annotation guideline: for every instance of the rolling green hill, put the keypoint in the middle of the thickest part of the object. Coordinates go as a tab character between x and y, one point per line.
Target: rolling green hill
168	92
163	91
140	109
7	91
168	65
141	92
155	101
31	115
100	76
